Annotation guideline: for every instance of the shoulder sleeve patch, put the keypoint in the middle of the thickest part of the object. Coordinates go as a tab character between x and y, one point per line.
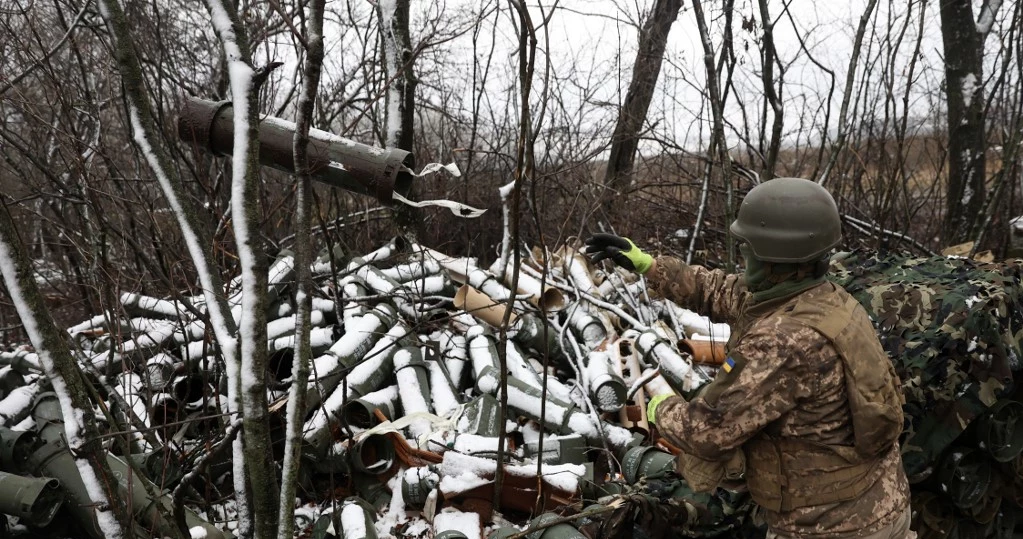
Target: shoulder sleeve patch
728	365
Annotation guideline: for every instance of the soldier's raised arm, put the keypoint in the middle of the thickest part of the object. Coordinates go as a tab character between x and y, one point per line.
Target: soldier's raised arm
712	293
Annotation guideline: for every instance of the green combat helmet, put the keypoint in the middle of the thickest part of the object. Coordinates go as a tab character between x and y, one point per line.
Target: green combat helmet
788	220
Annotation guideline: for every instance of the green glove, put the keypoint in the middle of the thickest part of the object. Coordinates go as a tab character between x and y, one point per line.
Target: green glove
621	250
651	407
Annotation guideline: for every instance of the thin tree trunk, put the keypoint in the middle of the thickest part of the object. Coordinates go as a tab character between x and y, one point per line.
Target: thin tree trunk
245	215
964	78
400	96
850	77
718	143
524	169
770	58
653	39
303	261
198	238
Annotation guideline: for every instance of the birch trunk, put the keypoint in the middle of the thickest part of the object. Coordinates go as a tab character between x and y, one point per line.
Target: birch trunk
399	120
251	381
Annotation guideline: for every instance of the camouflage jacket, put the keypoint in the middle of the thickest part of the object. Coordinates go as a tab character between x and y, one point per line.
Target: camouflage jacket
787	380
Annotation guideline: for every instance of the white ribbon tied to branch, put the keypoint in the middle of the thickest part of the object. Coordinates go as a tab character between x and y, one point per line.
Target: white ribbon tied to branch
457	208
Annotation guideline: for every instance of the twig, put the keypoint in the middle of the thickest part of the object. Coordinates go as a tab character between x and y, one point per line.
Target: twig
291	25
641	381
200	467
864	225
78	18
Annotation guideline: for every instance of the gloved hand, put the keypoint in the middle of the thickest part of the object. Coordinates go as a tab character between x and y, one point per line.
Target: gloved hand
651	407
621	250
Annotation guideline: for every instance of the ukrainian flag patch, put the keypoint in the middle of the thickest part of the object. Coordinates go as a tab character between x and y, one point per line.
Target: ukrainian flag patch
728	365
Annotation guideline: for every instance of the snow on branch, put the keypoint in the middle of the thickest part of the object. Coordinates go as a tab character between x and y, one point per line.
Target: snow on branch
21	289
987	16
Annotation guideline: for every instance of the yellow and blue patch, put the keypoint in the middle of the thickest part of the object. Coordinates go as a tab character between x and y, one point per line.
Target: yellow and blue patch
728	365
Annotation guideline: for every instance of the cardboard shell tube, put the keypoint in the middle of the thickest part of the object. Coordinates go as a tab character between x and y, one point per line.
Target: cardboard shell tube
546	298
481	306
706	352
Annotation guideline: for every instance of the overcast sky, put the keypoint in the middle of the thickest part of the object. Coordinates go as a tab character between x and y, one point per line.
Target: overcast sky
601	36
592	44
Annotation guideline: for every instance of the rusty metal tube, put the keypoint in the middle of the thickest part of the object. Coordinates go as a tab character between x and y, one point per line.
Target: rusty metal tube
708	352
333	160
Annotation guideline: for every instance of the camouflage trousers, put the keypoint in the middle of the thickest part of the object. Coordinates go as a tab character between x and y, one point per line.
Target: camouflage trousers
896	530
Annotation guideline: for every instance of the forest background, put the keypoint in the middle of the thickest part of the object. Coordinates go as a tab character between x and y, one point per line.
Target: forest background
622	132
648	118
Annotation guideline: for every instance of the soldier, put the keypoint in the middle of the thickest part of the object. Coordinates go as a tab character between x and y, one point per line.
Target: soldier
807	392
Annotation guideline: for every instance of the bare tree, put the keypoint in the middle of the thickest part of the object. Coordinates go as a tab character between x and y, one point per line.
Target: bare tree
195	230
245	212
400	100
850	79
772	94
718	145
64	375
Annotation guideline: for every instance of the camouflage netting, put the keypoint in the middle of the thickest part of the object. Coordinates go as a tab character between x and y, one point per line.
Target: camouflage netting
953	327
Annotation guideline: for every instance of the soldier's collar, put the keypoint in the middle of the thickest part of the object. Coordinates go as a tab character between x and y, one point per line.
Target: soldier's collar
760	308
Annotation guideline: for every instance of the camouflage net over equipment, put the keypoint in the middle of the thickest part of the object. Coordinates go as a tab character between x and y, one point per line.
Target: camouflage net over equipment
952	327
